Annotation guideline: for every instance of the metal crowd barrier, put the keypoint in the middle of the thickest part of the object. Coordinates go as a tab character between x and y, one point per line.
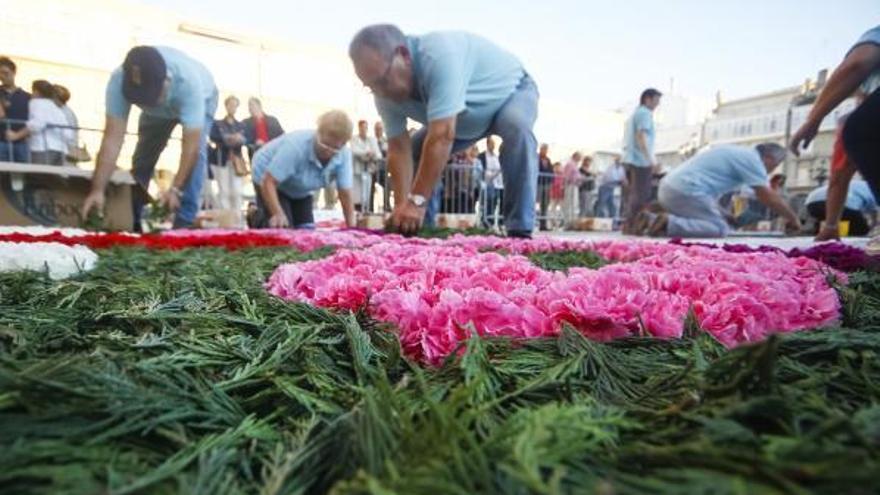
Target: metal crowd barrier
50	145
458	200
561	202
78	145
464	197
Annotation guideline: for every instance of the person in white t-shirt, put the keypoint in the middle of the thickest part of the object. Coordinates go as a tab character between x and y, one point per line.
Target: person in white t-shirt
613	177
493	209
63	95
380	177
366	155
46	128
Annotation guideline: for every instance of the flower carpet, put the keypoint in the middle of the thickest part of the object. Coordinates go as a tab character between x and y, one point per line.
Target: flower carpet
348	361
436	294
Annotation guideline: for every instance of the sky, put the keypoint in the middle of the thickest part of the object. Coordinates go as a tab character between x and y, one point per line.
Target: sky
599	54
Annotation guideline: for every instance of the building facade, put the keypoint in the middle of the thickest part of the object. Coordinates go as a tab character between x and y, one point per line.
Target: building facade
768	117
774	117
78	44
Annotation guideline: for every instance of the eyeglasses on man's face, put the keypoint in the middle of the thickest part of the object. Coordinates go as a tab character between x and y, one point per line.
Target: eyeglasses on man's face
380	84
328	147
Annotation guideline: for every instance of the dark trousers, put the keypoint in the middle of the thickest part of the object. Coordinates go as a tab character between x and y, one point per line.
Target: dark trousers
639	190
48	157
298	211
543	200
861	138
153	136
858	224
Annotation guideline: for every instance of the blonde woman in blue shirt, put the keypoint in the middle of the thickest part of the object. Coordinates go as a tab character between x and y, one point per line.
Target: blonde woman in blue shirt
291	168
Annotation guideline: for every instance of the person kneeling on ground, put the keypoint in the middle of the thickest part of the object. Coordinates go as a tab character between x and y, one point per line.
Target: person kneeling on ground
689	194
860	202
289	169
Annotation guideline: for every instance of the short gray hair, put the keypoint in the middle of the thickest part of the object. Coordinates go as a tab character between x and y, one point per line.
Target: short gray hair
383	38
337	124
775	151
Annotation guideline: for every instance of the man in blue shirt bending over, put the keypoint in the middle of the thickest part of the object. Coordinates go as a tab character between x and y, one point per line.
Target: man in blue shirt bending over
462	88
689	194
170	88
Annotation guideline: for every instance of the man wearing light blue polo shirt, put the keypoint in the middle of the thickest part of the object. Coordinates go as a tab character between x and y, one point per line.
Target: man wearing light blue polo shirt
170	88
689	194
638	154
290	168
462	88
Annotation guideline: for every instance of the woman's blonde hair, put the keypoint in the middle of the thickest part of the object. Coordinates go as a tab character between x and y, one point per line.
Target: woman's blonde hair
336	124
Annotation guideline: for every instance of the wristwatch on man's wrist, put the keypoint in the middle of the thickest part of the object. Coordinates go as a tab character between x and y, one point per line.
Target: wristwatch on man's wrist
417	199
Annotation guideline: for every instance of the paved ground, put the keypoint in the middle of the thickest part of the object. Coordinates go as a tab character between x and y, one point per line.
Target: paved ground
778	240
752	239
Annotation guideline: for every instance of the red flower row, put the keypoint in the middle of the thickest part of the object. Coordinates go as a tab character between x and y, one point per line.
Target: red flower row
230	241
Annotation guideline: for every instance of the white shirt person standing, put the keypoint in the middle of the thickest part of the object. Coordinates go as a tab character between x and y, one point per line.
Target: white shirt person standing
366	156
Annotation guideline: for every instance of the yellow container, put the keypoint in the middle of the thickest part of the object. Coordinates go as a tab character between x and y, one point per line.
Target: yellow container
842	228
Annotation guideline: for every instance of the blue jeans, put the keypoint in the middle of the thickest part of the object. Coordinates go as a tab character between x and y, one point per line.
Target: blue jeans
519	162
605	201
16	151
692	215
153	135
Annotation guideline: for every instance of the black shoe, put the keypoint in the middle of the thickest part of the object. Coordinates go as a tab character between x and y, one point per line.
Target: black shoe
519	234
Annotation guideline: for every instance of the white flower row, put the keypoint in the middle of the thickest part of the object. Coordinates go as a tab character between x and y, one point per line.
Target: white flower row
40	230
55	259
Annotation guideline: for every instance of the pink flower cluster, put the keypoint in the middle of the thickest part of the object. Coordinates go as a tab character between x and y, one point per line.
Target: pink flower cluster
302	240
309	240
438	292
